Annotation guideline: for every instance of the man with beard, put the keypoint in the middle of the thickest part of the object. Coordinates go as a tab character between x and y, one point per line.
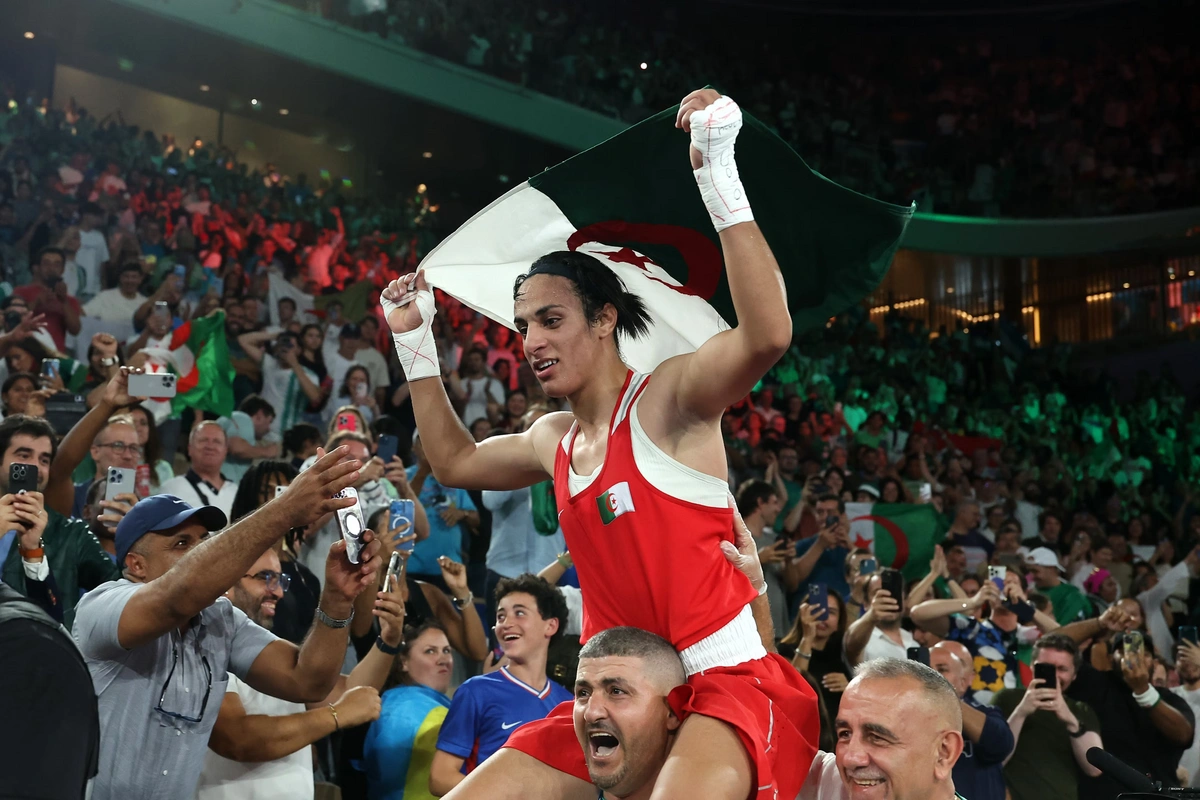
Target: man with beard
260	744
627	709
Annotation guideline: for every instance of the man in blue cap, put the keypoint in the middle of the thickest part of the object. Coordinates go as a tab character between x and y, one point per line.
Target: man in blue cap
160	642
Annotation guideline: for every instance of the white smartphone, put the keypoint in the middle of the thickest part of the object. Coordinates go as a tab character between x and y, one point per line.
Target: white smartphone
279	490
120	481
152	384
351	523
997	574
395	567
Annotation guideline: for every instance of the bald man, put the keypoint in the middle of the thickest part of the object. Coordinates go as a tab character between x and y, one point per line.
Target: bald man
987	739
626	713
899	733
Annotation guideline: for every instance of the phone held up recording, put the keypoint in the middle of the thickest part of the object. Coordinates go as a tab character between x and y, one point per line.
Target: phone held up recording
351	524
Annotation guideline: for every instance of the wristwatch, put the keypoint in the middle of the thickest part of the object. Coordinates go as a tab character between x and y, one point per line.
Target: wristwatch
461	604
330	622
384	647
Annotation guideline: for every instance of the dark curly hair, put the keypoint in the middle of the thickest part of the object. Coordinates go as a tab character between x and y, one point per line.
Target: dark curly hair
550	601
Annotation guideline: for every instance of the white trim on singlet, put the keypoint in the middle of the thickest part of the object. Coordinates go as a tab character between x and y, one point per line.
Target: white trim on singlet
659	469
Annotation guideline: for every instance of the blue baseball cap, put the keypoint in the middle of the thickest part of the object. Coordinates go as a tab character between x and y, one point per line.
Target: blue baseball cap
159	513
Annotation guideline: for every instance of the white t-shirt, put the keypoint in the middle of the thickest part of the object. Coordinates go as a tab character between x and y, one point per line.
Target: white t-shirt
824	782
182	488
281	388
376	366
337	366
290	776
112	306
93	251
880	645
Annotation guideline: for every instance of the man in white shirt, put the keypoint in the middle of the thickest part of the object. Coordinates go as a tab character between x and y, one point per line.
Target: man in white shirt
121	303
877	633
898	734
203	484
339	361
93	249
259	746
369	356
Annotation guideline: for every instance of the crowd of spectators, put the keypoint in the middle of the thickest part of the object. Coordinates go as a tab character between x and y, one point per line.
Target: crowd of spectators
1088	501
1029	118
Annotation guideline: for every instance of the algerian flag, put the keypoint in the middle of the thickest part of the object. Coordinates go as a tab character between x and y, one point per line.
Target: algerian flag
615	502
632	201
901	535
199	354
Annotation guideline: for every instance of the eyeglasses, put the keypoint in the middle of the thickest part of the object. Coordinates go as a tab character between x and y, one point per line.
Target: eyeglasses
207	691
120	447
272	579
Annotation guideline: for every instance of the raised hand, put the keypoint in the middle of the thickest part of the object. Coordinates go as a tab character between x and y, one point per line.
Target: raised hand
116	391
455	576
311	496
405	316
389	610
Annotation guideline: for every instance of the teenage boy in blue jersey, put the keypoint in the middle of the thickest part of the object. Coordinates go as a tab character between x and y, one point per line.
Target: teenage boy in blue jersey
530	615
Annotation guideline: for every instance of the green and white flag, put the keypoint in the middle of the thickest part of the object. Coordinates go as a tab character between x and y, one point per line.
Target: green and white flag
632	201
615	502
901	535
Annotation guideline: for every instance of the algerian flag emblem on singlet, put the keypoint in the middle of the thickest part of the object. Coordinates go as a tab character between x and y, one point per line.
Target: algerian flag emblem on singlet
615	502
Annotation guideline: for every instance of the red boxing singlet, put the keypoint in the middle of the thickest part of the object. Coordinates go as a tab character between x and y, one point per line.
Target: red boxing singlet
645	559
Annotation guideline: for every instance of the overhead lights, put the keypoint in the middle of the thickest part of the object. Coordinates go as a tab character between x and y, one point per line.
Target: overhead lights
644	65
949	290
283	112
28	34
1124	285
204	87
427	154
253	101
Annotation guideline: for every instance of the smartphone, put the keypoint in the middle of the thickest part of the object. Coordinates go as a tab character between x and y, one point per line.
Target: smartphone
393	571
279	490
1188	633
831	520
162	310
403	511
997	574
1048	674
347	422
22	478
919	654
818	595
180	270
120	481
351	524
893	581
925	493
820	488
1133	642
868	566
152	384
141	481
388	447
51	368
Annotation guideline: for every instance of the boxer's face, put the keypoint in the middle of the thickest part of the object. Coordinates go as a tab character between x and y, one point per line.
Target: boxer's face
622	721
561	344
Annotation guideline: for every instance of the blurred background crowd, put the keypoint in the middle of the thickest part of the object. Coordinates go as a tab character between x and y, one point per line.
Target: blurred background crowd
1057	510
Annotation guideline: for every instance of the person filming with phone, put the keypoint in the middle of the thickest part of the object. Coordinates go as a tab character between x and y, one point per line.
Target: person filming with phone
43	554
820	558
47	295
1052	732
1144	728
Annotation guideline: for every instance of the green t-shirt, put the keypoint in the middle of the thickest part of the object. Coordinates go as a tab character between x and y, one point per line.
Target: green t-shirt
1043	764
1070	604
794	491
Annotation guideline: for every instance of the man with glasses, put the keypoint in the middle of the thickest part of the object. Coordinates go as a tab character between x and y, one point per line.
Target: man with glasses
162	641
260	744
115	446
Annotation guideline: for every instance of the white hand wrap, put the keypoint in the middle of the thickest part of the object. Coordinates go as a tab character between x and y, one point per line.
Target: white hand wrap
714	130
417	348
